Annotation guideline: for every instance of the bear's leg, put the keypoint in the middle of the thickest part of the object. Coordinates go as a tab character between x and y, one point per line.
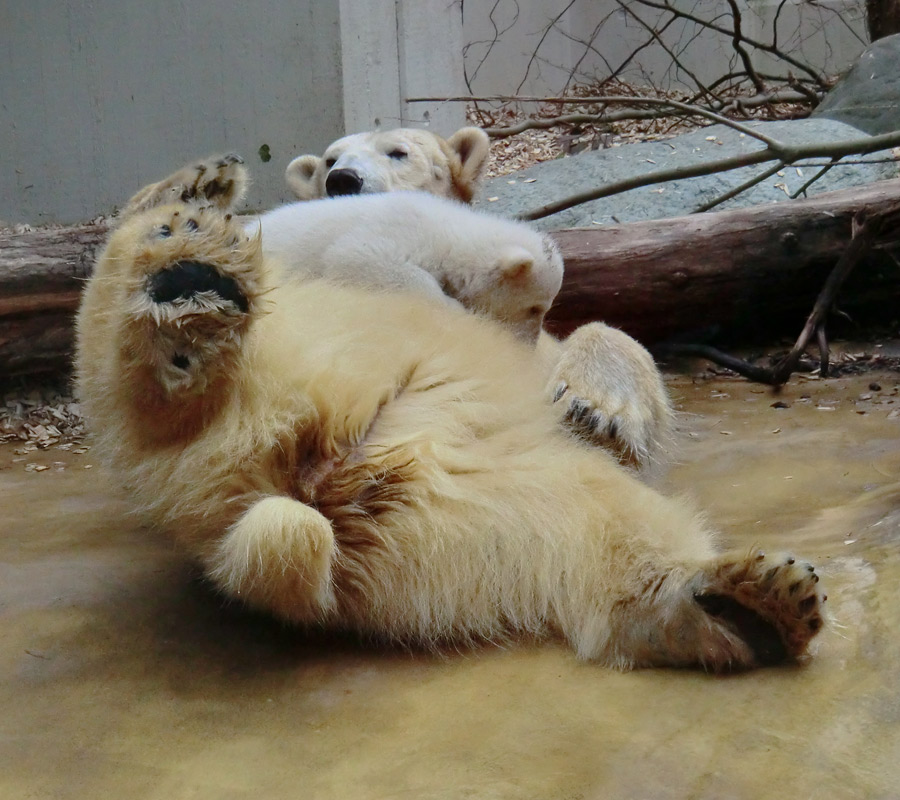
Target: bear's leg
278	556
612	394
219	181
735	613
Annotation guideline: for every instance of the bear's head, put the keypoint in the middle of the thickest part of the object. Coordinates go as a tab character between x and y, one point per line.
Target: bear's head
387	161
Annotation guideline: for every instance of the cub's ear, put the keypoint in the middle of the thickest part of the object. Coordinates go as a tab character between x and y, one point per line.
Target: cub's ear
472	146
299	176
515	265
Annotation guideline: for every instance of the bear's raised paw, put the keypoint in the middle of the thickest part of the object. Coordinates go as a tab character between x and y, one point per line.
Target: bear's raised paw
218	181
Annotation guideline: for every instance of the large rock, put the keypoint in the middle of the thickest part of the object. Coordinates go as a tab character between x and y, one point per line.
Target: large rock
867	96
554	180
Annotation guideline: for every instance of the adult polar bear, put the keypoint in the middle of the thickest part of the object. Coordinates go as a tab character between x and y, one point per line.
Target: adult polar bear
399	477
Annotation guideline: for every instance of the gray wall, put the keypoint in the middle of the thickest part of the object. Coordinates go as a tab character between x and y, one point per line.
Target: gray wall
100	97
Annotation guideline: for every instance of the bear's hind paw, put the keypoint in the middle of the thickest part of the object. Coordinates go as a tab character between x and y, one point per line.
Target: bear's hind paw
188	279
773	605
219	181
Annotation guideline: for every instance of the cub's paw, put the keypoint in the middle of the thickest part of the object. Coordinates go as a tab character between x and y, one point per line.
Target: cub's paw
774	605
611	394
218	181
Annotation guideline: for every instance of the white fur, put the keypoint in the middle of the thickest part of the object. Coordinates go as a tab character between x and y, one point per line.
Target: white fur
394	160
414	241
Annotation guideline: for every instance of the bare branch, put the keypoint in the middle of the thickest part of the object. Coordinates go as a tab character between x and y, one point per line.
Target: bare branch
761	46
739	189
738	44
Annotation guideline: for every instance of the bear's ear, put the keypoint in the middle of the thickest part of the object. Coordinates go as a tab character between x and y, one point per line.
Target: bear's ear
515	265
473	147
300	174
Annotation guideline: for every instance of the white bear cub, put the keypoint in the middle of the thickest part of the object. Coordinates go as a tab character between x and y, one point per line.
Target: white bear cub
411	241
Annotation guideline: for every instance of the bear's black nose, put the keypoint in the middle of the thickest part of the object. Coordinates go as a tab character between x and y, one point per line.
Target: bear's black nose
342	181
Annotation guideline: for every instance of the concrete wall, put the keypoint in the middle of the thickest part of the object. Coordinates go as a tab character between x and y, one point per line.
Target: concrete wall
394	49
803	28
99	97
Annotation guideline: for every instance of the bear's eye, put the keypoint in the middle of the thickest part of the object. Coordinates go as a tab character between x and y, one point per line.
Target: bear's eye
330	162
535	311
398	154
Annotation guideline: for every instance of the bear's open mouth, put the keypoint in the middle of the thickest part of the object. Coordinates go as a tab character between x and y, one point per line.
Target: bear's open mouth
185	279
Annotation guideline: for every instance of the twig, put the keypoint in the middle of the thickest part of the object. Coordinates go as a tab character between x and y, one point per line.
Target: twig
752	371
863	233
737	42
749	184
618	116
814	178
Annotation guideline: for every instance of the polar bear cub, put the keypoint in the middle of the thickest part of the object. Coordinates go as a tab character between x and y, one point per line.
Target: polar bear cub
387	161
412	241
384	465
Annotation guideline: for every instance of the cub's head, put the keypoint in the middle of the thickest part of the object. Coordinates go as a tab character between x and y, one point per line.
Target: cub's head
388	161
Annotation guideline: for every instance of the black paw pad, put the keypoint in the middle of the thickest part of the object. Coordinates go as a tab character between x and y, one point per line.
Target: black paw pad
762	637
188	278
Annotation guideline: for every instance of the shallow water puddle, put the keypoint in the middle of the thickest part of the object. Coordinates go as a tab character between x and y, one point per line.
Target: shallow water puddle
123	676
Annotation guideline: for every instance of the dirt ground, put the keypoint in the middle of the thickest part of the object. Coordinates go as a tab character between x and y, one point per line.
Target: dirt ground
123	676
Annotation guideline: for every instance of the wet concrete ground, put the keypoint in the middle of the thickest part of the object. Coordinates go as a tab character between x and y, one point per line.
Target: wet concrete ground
121	676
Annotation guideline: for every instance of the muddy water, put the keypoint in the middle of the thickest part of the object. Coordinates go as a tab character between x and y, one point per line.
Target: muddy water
121	676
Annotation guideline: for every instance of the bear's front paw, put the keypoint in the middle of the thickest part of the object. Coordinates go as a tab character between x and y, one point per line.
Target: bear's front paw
611	394
620	424
218	181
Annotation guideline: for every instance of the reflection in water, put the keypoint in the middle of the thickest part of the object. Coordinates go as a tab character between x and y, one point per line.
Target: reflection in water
124	676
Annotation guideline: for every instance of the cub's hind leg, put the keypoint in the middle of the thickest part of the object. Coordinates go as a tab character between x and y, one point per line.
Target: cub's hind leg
278	557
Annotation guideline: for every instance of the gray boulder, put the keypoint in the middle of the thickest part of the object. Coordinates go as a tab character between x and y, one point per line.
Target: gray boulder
868	96
554	180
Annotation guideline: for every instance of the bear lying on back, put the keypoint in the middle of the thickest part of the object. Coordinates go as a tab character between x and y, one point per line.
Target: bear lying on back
385	465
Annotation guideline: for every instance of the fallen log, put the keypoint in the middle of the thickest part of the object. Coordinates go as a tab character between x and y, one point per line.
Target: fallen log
41	276
730	269
654	280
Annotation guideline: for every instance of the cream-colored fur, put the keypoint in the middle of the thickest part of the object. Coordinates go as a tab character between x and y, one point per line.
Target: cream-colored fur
382	464
412	241
598	379
388	161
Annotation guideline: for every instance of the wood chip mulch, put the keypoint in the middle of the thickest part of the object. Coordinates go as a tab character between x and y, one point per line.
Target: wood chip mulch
42	419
